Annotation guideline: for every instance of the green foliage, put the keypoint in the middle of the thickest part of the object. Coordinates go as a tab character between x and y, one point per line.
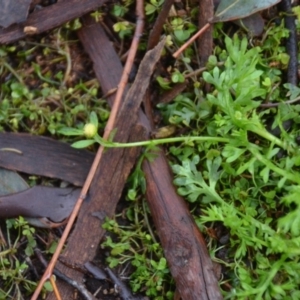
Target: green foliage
245	184
153	6
163	82
36	99
119	10
123	28
137	248
182	29
13	271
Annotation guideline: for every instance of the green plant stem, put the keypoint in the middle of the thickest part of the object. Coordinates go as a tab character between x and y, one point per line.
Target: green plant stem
284	173
147	221
11	70
107	144
270	137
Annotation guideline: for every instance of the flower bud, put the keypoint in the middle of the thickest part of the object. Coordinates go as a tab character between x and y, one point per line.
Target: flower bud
89	130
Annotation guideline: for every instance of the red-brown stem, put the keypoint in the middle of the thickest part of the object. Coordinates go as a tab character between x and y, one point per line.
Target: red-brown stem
55	289
191	40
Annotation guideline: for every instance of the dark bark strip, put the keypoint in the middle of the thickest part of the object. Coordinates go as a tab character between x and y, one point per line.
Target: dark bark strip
39	202
205	41
155	33
291	42
183	244
116	164
50	17
44	156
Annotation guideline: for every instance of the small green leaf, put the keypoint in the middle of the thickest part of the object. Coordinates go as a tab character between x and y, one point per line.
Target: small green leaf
83	144
118	250
177	77
163	82
70	131
232	153
150	9
162	265
94	119
48	286
265	174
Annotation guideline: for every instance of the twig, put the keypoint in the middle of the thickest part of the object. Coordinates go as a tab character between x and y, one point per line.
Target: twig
12	71
109	93
275	104
291	42
205	42
80	287
201	70
95	271
108	129
123	290
159	23
191	40
55	289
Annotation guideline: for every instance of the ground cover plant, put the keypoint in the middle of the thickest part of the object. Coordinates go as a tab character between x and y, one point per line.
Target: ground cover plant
234	155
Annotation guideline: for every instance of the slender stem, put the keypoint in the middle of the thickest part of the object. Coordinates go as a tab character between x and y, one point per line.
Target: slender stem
162	141
270	137
275	104
11	70
284	173
191	40
55	289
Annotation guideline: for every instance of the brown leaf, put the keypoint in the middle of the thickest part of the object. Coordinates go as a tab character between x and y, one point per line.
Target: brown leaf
229	10
49	17
55	204
44	156
13	11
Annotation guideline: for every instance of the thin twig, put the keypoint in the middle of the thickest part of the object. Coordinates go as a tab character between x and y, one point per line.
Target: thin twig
205	41
80	287
108	129
155	33
2	239
55	289
123	290
291	41
201	70
191	40
275	104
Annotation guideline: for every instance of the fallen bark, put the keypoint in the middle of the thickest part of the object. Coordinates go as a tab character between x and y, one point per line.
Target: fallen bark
155	33
183	243
55	204
193	272
44	156
114	167
48	18
205	41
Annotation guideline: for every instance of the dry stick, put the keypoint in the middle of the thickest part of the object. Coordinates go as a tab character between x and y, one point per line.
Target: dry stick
80	287
205	42
108	128
155	33
275	104
55	289
191	40
291	43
